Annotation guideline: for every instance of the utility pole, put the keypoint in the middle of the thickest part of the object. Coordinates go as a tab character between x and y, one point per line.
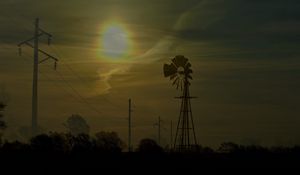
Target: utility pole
158	124
38	32
159	129
129	126
171	133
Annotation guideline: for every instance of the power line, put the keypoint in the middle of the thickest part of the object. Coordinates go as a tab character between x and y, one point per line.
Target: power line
77	93
51	80
72	88
39	32
81	99
84	81
62	77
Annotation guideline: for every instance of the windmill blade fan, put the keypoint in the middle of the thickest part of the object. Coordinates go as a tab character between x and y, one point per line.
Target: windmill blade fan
188	83
180	61
181	86
188	66
177	85
173	76
179	71
169	70
175	81
188	71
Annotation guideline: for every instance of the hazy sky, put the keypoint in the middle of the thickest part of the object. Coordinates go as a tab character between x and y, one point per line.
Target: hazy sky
244	54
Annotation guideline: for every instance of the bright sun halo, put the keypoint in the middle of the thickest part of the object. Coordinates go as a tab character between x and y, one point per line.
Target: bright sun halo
115	41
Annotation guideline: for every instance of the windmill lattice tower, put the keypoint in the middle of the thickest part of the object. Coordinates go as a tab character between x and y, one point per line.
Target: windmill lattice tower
180	72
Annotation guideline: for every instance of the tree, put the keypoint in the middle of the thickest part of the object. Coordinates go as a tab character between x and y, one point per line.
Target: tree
24	132
228	147
60	142
42	143
149	146
108	142
53	142
76	125
81	143
15	147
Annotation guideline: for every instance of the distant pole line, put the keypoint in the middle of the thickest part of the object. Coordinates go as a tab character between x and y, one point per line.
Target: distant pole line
159	124
129	126
38	32
171	132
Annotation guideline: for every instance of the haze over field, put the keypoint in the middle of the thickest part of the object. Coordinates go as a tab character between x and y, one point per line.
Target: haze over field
244	54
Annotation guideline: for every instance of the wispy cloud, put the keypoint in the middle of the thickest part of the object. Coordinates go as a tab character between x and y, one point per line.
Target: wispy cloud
106	74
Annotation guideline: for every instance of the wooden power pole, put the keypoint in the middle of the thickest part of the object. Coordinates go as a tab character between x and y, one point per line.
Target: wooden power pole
129	126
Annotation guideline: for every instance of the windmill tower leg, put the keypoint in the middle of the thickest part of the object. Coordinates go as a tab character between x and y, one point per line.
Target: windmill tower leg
185	136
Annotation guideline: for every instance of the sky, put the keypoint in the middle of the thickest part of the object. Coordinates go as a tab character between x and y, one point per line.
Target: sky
244	56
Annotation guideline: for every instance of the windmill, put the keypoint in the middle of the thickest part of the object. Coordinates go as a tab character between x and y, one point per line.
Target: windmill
180	72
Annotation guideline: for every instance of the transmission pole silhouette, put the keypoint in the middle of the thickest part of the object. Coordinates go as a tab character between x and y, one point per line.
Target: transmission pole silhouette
129	125
38	32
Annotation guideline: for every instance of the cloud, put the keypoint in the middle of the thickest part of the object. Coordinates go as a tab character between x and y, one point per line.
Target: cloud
241	23
108	73
239	29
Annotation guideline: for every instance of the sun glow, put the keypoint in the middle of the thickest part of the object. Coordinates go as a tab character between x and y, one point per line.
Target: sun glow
115	41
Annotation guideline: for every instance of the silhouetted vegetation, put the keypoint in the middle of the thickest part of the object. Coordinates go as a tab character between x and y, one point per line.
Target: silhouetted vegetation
74	153
149	146
109	143
76	125
66	143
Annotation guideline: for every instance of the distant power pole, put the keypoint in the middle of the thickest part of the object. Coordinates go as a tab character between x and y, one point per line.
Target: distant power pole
171	129
158	124
129	126
38	32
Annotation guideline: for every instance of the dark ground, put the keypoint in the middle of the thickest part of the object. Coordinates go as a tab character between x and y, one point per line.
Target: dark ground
137	163
58	153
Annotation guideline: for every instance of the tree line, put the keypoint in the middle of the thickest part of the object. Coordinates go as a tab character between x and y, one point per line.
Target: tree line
77	139
110	142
